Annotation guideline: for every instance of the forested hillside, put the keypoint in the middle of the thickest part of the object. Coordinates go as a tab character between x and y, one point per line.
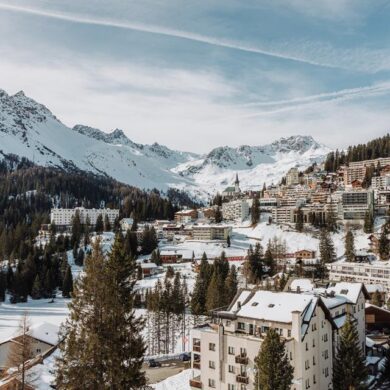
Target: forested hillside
379	147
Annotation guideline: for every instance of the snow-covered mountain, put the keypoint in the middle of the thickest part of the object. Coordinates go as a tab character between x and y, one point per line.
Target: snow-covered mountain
29	129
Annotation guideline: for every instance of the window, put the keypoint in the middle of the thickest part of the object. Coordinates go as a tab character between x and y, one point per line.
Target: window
326	354
326	372
307	384
314	327
231	387
243	387
211	347
307	365
289	333
243	351
228	323
241	326
231	369
314	360
211	383
307	347
290	355
255	303
39	350
314	379
326	337
212	364
231	350
314	343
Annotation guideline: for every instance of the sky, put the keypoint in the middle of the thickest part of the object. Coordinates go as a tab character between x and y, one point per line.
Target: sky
194	75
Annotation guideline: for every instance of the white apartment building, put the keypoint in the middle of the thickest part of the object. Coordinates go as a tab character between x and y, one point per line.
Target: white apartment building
211	232
225	350
292	177
375	273
378	182
237	210
64	217
283	214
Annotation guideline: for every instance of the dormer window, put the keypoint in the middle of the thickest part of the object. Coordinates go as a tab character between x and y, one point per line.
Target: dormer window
255	303
344	292
271	305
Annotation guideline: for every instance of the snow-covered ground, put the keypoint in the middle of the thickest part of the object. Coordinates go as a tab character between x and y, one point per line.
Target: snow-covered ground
180	381
40	310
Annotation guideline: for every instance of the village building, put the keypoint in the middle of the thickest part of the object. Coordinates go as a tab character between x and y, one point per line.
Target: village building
64	217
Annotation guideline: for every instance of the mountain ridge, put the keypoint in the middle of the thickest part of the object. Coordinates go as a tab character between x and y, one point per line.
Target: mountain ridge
29	129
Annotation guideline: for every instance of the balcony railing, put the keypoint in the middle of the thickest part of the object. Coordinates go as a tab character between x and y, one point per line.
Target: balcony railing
242	378
196	365
195	382
196	348
242	359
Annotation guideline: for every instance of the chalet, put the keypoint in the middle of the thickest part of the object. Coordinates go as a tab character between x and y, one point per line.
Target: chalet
377	318
148	269
43	338
305	254
171	257
185	216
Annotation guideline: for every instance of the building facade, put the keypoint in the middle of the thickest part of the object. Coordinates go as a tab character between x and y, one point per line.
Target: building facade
236	210
64	217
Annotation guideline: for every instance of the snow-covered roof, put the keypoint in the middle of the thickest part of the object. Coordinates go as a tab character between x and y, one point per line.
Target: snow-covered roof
350	291
148	265
46	332
274	306
303	284
371	288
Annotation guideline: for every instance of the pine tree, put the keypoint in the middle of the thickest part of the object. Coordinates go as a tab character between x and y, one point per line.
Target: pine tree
368	223
198	299
103	347
231	284
349	370
327	250
67	285
99	226
349	247
384	244
218	215
273	369
228	241
299	221
36	292
76	229
255	211
107	225
269	259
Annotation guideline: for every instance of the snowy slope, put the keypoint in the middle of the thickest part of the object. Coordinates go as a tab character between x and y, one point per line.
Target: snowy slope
254	164
29	129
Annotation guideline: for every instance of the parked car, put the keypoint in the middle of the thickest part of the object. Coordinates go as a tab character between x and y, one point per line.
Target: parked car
185	357
154	363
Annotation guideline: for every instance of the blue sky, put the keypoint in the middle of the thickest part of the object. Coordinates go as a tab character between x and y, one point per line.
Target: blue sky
198	74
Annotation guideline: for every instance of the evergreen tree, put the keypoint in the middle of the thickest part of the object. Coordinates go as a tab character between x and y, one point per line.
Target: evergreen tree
67	285
254	266
218	215
3	285
368	223
299	221
36	292
349	246
103	347
331	220
269	260
349	369
76	229
273	369
79	260
228	241
107	224
99	226
170	272
216	291
384	244
198	299
327	253
231	284
255	211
